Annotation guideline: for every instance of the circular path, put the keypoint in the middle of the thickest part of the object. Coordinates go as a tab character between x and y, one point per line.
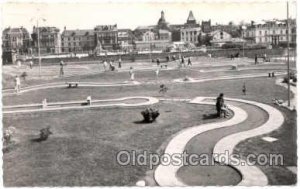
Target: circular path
167	175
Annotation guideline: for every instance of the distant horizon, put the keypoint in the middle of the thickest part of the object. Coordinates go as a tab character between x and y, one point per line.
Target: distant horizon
90	14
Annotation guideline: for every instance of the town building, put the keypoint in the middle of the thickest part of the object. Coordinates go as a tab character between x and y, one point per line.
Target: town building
17	40
164	35
78	41
155	45
49	39
107	36
149	36
206	26
271	32
219	38
125	39
191	31
175	31
162	23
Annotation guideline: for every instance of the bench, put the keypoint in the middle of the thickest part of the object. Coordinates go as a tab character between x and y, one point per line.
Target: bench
72	84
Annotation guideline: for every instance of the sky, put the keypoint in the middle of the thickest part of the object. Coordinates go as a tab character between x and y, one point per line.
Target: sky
88	14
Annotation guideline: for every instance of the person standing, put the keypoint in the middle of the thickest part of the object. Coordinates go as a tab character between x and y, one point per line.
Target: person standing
17	84
30	64
120	63
61	72
157	73
244	89
157	61
111	66
131	73
255	59
104	65
220	104
189	62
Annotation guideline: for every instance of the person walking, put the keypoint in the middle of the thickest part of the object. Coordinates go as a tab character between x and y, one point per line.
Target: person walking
61	72
17	84
220	104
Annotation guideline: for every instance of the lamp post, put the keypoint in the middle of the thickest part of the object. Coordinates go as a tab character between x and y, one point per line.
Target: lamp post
243	29
288	53
37	18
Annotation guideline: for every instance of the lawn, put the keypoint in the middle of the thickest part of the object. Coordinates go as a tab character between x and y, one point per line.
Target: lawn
258	89
82	151
142	75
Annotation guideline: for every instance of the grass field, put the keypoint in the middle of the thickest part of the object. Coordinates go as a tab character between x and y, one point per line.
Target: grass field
82	151
258	89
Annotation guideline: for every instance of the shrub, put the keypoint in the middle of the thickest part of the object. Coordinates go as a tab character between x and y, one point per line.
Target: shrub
150	115
24	75
45	133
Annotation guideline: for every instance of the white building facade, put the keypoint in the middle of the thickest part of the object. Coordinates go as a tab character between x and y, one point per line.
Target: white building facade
190	35
270	32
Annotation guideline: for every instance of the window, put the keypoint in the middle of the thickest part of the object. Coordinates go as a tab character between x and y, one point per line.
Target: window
274	32
266	32
259	32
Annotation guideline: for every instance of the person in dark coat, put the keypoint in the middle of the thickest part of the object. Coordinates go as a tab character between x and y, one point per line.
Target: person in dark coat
255	59
189	62
220	104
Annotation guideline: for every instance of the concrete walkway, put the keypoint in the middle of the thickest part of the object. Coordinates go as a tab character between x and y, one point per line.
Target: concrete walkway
9	92
251	175
166	175
28	108
243	76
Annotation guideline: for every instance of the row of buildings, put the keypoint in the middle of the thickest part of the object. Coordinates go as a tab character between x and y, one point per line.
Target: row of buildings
160	36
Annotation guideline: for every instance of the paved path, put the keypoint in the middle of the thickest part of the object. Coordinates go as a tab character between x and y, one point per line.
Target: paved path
243	76
27	108
9	92
167	175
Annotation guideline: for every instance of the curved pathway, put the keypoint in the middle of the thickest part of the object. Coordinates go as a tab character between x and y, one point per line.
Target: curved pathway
251	175
244	76
27	108
167	175
9	92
